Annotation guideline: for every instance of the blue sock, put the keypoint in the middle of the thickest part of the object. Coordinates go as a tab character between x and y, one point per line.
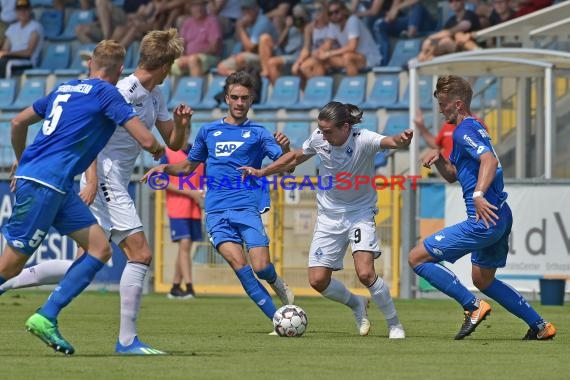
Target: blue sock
514	302
78	276
447	282
256	291
268	273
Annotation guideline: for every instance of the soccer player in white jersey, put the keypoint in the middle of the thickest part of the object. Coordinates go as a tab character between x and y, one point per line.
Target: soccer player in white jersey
345	216
105	183
233	207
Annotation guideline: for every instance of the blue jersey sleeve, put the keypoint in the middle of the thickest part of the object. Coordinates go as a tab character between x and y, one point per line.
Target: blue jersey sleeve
270	147
114	105
163	160
199	151
40	106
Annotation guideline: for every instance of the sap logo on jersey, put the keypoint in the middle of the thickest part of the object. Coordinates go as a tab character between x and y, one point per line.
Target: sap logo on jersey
226	148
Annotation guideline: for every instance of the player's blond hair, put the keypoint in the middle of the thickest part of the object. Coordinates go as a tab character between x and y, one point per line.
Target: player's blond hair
108	56
455	87
159	48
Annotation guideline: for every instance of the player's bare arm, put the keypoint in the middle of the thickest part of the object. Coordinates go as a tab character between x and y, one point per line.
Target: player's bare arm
283	142
89	191
487	171
398	141
147	141
173	131
443	165
19	130
183	167
285	163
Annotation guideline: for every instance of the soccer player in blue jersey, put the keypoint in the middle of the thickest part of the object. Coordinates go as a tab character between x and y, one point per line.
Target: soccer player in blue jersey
80	117
485	232
233	209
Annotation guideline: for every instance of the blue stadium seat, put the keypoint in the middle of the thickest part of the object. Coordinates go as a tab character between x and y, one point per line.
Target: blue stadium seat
384	93
485	92
404	51
52	21
77	17
285	93
396	123
215	87
318	92
56	56
32	89
425	94
369	121
78	65
351	90
41	3
188	91
297	131
271	126
7	92
33	131
132	57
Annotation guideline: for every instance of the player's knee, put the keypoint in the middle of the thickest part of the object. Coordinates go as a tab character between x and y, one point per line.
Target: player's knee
366	277
417	256
318	283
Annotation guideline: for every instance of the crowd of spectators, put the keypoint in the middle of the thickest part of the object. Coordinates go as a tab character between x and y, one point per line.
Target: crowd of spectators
292	37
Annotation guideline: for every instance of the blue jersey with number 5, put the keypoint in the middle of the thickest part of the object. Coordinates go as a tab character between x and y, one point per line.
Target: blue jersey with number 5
80	117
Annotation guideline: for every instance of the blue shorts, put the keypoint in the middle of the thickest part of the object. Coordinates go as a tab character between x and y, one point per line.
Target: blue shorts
38	208
185	228
489	247
238	226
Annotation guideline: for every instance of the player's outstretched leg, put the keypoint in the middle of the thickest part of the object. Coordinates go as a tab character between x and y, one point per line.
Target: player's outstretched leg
380	293
48	333
515	303
336	291
44	273
279	286
472	319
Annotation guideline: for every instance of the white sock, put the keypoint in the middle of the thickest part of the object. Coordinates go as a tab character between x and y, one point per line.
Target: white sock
44	273
130	289
380	293
336	291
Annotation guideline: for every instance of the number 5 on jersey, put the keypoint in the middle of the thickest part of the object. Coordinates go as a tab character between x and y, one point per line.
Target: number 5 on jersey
51	122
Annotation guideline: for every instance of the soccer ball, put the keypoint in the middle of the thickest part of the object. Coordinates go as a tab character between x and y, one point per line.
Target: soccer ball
290	321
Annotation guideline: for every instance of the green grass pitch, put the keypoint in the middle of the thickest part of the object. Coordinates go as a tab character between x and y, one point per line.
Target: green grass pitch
226	338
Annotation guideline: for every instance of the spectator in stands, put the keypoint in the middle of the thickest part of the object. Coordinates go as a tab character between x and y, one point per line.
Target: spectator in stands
228	12
289	45
202	41
529	6
315	35
7	17
277	11
500	12
184	208
249	29
404	19
370	11
109	17
23	43
443	42
357	49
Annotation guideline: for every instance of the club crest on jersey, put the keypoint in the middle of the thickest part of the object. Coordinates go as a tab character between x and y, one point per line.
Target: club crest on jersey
226	148
246	134
349	151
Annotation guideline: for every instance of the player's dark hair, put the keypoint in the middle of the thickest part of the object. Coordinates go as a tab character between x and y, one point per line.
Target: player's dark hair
455	87
242	78
341	113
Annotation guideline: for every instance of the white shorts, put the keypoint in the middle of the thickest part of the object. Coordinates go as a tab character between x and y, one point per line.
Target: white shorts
113	207
333	233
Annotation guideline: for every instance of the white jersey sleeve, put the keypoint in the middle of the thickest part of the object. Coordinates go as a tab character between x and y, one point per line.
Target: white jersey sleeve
370	140
309	146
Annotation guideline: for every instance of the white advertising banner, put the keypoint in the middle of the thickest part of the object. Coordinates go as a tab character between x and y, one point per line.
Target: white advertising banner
540	238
